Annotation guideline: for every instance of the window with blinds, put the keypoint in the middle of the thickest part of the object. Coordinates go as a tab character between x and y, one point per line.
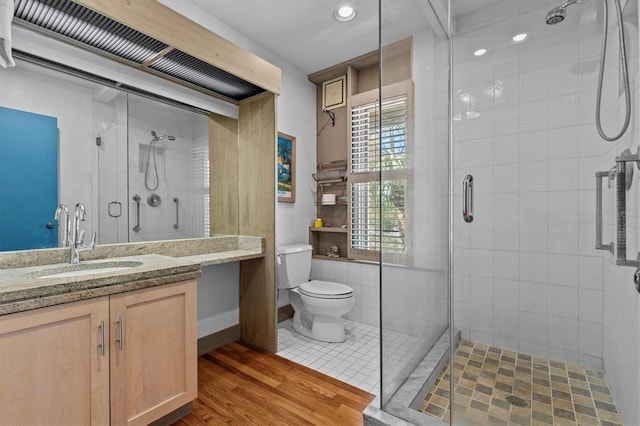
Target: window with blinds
200	185
379	144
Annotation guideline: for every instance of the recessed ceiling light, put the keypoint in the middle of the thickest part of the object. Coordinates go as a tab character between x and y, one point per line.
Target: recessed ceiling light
480	52
344	14
520	37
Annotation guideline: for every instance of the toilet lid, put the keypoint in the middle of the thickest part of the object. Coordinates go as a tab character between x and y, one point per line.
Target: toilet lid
326	290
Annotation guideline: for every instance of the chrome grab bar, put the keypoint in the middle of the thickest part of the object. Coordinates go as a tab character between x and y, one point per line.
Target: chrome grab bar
467	199
177	224
599	245
137	199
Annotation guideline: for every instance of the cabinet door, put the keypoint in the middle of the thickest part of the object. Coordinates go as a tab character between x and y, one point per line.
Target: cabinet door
154	364
53	370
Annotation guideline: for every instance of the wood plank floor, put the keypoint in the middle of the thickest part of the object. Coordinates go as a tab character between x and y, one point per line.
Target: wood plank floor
239	385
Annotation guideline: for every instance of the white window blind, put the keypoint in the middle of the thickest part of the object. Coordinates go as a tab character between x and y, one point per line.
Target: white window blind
366	146
200	186
378	218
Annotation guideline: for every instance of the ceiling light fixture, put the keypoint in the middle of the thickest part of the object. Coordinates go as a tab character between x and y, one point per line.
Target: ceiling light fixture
520	37
344	14
480	52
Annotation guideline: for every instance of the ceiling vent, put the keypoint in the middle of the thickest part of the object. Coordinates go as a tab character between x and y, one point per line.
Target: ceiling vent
76	24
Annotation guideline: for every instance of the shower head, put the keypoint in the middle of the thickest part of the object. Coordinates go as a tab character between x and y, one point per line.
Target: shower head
159	138
558	14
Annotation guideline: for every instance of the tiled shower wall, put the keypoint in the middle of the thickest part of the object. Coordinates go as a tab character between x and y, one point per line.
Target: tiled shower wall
527	276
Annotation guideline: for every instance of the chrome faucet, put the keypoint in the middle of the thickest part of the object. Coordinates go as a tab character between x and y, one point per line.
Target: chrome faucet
79	215
64	210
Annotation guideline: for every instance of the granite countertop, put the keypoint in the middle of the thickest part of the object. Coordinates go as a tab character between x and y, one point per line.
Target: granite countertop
38	278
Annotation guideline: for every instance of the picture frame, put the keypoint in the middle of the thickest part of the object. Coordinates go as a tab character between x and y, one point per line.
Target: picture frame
286	168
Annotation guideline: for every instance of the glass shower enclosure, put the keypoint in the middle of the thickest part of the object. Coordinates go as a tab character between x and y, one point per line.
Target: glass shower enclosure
509	224
152	170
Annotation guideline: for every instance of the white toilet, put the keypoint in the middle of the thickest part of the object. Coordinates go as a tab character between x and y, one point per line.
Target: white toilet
318	305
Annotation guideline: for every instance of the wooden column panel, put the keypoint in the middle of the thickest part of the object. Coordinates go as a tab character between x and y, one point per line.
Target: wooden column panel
223	174
256	188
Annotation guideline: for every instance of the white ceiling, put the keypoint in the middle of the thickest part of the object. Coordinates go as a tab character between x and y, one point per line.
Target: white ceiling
305	33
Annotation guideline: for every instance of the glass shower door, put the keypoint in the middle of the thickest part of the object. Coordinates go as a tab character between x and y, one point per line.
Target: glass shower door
413	201
538	309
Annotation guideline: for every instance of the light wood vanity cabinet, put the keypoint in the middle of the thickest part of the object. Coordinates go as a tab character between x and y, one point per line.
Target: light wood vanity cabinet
54	371
154	367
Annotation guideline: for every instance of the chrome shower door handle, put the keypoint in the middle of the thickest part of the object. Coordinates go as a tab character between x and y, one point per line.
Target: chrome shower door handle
599	245
467	199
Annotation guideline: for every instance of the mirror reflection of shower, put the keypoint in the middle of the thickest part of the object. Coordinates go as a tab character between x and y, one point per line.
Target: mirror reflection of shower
558	14
152	181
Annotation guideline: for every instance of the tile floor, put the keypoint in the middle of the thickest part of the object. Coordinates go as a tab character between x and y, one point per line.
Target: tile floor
557	393
356	361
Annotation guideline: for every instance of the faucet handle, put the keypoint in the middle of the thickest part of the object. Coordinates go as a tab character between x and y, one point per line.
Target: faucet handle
92	245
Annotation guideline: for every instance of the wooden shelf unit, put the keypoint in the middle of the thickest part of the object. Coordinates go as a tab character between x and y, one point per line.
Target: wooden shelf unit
328	229
321	238
333	137
331	178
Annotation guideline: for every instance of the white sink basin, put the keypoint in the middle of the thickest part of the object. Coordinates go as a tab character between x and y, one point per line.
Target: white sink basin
86	269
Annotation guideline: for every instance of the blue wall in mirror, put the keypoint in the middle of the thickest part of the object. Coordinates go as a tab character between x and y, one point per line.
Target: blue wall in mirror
28	180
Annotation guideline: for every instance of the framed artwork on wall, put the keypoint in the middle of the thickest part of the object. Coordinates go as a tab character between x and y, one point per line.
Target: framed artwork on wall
286	168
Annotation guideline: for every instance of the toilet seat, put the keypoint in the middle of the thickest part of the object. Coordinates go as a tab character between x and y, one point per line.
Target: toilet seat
326	290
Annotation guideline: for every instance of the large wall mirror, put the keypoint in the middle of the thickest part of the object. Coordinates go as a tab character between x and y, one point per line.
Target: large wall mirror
140	166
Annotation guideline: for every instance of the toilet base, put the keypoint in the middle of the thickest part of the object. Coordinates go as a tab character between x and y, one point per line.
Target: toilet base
324	329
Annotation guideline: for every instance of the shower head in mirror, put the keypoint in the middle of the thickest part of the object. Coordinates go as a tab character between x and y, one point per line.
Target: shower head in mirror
159	138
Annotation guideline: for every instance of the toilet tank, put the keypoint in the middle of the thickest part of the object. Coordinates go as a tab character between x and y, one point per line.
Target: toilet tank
294	265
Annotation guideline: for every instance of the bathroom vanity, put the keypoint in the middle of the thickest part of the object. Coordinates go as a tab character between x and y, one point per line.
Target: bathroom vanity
111	340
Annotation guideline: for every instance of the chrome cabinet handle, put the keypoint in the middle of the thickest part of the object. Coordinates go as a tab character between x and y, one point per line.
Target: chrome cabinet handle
467	199
101	344
599	246
120	337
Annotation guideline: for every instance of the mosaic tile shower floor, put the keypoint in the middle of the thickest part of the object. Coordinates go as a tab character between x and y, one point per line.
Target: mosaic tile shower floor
556	393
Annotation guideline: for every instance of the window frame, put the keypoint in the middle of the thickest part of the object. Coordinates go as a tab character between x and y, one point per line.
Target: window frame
402	88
